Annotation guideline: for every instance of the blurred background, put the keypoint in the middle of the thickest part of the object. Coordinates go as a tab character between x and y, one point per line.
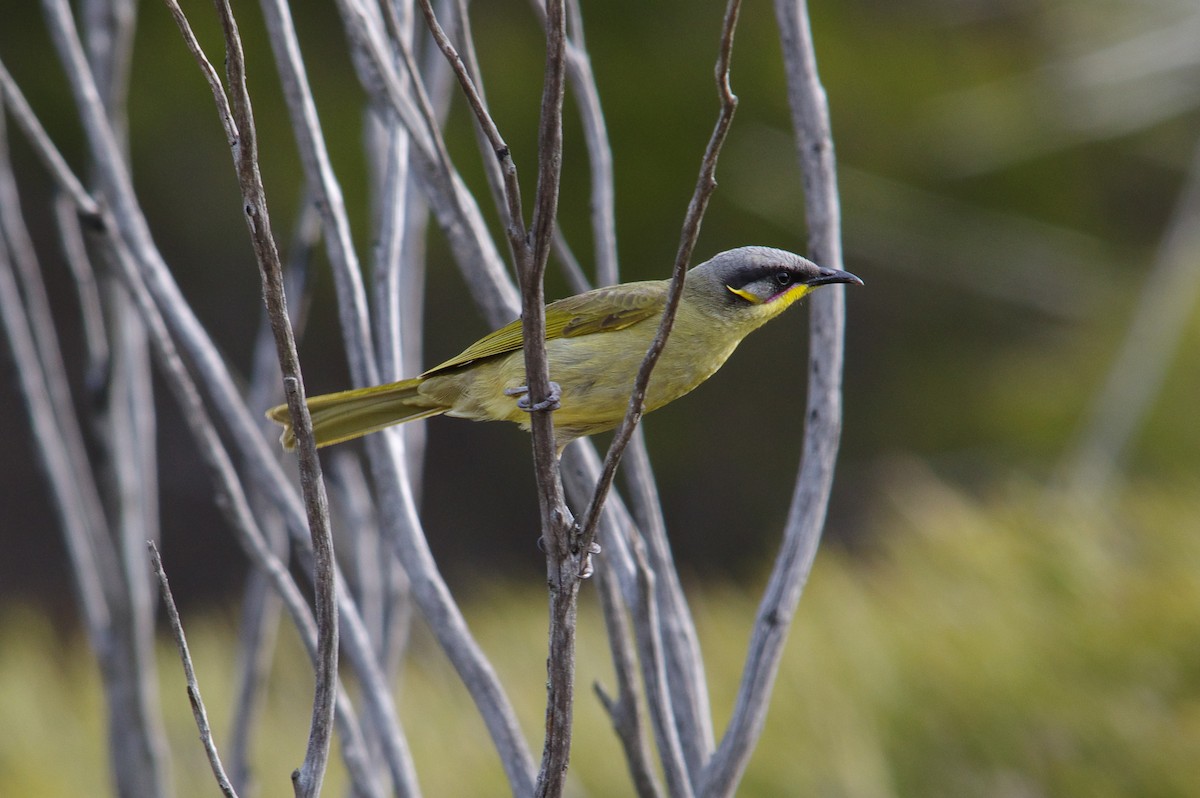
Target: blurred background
1007	602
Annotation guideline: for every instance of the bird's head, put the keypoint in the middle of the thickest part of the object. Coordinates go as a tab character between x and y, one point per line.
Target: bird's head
759	283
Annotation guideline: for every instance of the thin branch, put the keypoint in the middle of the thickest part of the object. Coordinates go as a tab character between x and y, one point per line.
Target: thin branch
109	28
595	137
83	275
261	603
530	251
624	711
387	149
126	426
453	206
467	79
44	147
460	219
562	560
625	556
135	734
686	679
308	778
572	270
494	169
193	686
257	633
823	416
211	76
694	725
145	270
58	444
235	505
705	186
314	157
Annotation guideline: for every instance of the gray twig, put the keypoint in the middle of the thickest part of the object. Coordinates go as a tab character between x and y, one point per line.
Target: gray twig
87	292
680	642
146	271
261	602
705	186
308	778
126	451
234	503
460	219
193	686
499	168
44	147
452	205
693	726
624	710
823	417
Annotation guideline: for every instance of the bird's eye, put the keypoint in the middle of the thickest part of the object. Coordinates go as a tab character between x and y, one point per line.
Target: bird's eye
783	279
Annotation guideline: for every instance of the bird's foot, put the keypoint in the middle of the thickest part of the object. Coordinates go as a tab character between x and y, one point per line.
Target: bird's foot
551	402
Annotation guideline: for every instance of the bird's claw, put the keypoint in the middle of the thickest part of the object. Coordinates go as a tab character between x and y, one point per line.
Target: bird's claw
551	402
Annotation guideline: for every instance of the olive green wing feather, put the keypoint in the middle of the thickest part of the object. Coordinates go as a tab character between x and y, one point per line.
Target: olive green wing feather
597	311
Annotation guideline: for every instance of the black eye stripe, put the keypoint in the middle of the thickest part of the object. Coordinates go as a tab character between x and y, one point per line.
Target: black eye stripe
776	275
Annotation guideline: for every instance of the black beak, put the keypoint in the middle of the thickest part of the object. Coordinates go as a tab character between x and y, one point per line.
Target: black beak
827	276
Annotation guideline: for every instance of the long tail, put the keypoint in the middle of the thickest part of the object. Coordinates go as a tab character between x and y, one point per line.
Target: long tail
351	414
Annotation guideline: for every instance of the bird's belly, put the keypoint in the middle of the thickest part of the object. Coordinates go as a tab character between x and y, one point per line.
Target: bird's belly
594	373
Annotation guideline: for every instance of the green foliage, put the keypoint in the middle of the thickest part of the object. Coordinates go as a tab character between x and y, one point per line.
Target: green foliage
984	647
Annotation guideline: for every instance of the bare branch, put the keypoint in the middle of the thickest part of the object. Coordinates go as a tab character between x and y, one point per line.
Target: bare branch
455	210
625	556
624	711
91	311
671	750
51	158
686	679
705	186
144	269
595	135
193	686
236	507
125	430
136	737
459	216
57	438
467	76
308	778
562	558
823	417
694	726
260	616
211	76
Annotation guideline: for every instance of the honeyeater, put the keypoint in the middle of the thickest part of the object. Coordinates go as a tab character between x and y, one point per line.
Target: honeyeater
595	344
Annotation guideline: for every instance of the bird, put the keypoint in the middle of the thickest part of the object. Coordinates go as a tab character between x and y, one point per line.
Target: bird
595	344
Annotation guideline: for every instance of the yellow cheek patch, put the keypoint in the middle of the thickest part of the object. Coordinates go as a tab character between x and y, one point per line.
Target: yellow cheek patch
746	295
785	298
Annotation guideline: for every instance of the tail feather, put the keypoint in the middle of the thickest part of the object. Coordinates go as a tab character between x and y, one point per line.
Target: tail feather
346	415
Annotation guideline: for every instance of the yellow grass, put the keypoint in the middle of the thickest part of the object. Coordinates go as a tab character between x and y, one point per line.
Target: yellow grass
997	647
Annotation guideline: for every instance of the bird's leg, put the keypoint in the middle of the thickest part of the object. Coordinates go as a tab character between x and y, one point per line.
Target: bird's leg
551	402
